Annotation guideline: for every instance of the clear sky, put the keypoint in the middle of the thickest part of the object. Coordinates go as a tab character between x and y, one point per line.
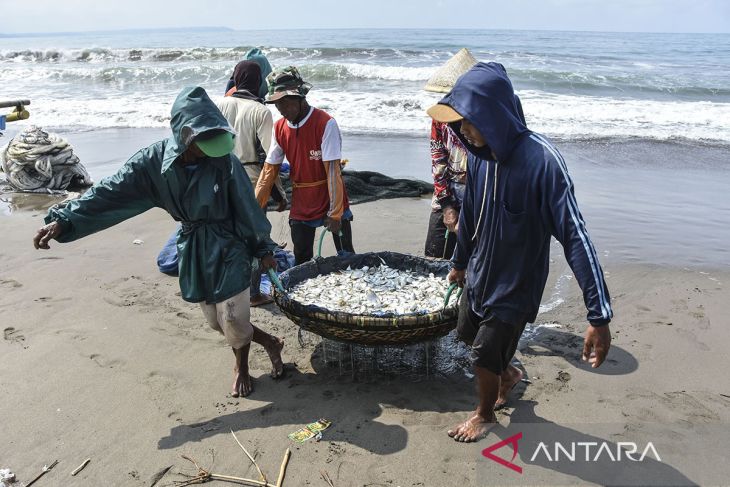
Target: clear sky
602	15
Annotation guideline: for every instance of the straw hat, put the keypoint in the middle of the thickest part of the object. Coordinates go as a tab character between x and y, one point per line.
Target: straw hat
444	79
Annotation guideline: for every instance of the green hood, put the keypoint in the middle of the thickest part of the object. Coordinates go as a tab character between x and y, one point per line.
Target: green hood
192	114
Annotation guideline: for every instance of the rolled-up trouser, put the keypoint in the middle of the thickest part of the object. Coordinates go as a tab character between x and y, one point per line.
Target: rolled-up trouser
493	342
232	318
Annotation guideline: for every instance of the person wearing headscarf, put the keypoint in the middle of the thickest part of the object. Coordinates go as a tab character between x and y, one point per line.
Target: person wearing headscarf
259	58
253	123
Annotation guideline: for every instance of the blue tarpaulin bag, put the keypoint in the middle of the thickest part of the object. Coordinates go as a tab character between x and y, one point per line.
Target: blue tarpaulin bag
167	258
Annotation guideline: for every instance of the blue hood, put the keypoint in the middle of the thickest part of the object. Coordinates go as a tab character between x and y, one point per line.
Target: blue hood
485	97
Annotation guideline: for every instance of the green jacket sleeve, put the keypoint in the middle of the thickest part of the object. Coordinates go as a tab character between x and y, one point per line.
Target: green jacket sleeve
113	200
250	221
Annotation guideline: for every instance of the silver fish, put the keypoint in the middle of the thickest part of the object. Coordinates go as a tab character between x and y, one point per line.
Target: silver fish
374	291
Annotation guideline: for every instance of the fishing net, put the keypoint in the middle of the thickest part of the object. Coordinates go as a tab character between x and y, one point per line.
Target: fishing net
444	79
382	329
365	186
35	161
444	357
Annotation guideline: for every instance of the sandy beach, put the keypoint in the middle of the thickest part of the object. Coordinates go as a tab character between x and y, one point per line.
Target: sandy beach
101	359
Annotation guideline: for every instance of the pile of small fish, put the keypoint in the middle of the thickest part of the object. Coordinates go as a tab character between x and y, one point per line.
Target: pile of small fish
374	291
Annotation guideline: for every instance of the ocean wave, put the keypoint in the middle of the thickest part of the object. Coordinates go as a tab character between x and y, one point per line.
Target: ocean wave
167	54
361	71
587	117
122	75
628	83
403	113
200	73
562	74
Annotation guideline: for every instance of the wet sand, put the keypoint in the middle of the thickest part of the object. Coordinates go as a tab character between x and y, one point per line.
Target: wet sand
101	358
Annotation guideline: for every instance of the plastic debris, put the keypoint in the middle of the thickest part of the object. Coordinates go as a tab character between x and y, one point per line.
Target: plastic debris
6	476
312	430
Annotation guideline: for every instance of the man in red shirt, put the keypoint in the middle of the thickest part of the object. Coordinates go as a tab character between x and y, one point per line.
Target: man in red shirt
310	140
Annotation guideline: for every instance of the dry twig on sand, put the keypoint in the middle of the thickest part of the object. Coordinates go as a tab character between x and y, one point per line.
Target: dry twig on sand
80	467
46	469
204	476
261	474
282	469
326	478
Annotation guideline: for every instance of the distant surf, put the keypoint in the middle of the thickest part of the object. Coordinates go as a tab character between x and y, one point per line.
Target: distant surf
573	85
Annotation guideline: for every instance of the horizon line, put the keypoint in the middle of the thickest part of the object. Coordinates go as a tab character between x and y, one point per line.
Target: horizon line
231	29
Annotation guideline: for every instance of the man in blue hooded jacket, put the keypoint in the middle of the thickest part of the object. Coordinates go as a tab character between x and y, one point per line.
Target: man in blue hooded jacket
518	195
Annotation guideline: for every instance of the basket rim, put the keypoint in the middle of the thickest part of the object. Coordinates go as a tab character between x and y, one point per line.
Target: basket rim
340	318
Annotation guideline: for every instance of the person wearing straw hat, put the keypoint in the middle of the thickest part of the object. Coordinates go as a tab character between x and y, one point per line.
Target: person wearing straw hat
195	178
310	140
448	167
448	163
518	195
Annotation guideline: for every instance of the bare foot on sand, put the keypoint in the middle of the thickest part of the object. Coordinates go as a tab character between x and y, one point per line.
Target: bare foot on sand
242	384
261	299
473	429
510	378
274	351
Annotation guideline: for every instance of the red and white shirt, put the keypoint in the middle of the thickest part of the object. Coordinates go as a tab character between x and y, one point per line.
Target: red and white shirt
317	189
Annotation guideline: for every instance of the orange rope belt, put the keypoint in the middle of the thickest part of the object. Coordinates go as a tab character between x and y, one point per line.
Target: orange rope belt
321	182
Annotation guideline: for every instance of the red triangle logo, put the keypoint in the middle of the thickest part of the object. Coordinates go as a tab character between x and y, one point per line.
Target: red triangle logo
512	440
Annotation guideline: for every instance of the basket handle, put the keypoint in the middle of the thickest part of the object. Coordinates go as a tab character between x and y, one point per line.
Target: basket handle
275	279
321	239
451	290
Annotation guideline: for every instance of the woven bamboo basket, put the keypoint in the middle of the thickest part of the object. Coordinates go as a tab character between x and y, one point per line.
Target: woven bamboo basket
386	329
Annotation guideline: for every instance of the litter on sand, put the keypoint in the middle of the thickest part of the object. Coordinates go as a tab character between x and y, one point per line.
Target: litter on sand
312	430
6	477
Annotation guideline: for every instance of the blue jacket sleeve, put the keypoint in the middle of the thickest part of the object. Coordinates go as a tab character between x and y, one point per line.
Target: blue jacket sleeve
463	249
565	222
114	199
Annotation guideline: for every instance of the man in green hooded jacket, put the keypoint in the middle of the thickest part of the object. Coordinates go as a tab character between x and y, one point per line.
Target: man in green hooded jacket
195	178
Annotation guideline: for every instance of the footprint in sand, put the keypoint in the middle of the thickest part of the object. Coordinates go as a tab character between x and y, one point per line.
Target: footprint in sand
9	284
103	362
13	335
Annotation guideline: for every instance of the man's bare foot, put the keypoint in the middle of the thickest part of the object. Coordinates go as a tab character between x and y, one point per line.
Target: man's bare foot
473	429
510	378
261	299
274	351
242	384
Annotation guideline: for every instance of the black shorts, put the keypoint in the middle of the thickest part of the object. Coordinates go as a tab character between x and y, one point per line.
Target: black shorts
493	342
439	243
